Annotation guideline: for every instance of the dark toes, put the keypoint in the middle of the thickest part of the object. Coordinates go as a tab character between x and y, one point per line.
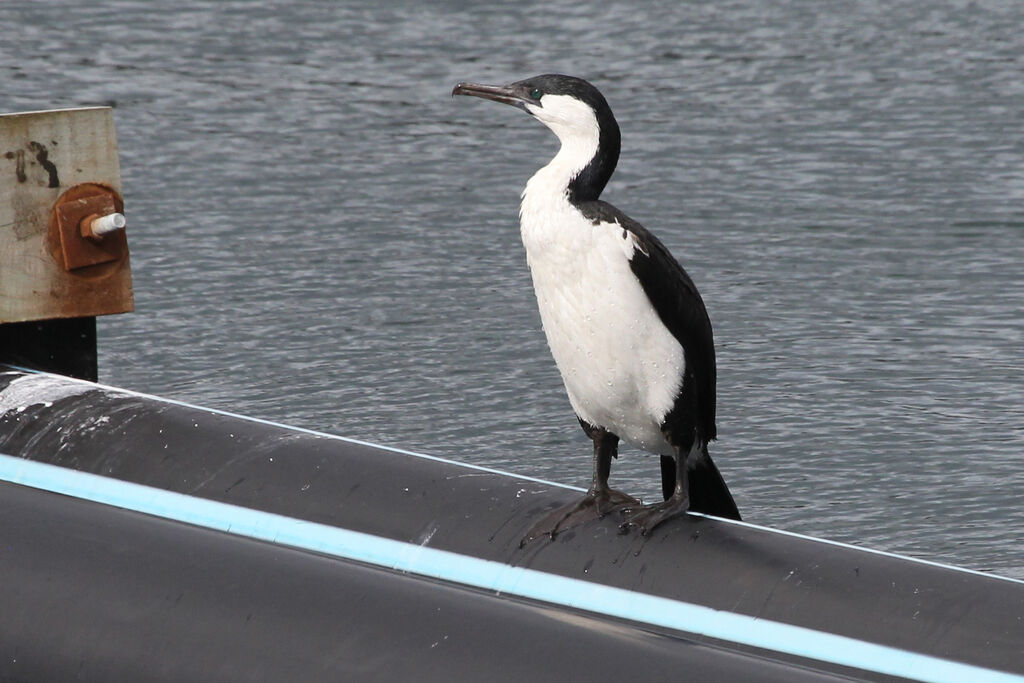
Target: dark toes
648	517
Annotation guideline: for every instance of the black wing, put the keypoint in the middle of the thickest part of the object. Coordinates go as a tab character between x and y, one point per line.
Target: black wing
680	307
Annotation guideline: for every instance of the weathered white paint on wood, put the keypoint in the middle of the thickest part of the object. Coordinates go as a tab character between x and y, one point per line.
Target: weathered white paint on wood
42	154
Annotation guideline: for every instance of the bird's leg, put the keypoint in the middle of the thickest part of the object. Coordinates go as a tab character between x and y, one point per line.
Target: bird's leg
649	516
605	499
599	500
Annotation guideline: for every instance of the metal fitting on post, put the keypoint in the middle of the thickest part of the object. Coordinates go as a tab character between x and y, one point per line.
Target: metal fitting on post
95	226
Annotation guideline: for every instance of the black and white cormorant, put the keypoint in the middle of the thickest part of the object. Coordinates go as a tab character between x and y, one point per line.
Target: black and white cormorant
625	323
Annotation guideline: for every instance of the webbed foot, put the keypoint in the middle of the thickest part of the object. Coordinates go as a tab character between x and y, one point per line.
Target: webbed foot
647	517
593	505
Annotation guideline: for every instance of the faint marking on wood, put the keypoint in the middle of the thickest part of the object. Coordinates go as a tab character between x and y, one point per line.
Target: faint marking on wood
43	157
19	164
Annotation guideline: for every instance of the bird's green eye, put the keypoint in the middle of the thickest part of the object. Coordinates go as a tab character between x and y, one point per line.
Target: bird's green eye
535	94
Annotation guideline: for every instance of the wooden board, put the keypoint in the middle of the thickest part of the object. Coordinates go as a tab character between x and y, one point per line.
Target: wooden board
43	155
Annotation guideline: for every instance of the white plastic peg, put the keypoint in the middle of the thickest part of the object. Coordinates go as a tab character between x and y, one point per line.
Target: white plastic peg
107	224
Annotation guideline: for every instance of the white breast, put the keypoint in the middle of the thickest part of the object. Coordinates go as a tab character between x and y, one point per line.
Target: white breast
621	367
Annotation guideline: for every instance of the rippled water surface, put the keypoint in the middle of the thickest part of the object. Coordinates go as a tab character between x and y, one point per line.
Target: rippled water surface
321	236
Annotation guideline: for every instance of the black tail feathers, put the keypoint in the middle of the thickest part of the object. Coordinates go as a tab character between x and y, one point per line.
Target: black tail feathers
707	489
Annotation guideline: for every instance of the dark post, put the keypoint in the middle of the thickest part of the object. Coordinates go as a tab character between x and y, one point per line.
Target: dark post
63	346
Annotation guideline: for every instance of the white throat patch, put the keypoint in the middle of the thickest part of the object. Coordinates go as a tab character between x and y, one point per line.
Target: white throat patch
575	125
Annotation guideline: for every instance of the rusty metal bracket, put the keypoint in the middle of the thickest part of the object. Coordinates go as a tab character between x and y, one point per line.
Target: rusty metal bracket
73	214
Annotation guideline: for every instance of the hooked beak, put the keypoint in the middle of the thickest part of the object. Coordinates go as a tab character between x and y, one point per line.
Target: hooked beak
516	95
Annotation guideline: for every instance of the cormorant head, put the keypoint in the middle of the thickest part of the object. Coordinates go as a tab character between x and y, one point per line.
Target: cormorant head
577	113
567	105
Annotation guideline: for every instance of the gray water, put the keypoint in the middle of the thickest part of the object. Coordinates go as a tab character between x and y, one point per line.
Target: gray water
321	236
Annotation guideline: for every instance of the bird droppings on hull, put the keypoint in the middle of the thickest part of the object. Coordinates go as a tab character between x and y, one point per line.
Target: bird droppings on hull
425	538
26	391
